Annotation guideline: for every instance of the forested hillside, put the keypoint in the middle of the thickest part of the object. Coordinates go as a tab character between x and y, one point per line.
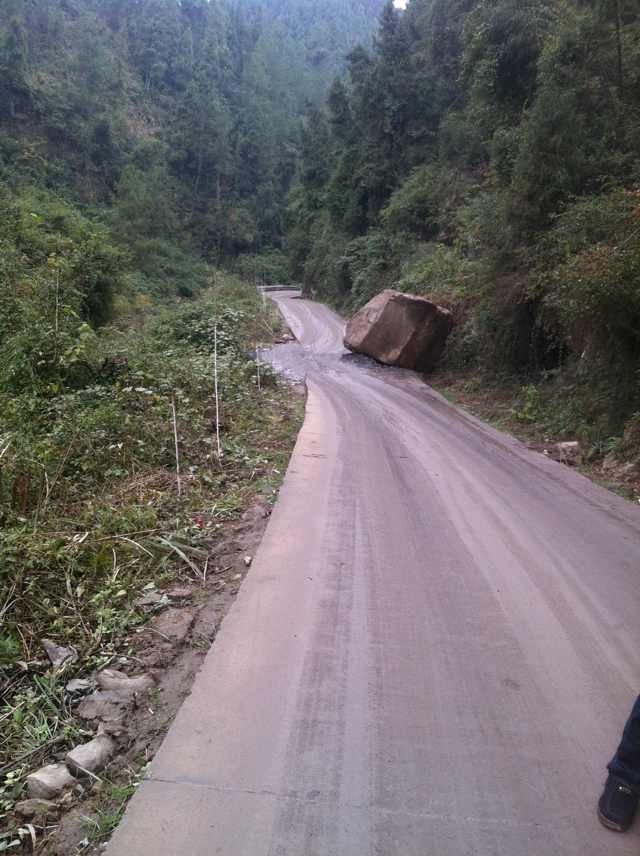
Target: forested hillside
174	122
486	152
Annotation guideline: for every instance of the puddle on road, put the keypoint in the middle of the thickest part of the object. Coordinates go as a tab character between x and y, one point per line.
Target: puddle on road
294	362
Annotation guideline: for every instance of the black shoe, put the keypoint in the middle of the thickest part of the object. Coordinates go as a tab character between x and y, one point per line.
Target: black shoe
618	805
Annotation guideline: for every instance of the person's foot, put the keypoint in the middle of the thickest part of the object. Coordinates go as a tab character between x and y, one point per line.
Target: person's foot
618	805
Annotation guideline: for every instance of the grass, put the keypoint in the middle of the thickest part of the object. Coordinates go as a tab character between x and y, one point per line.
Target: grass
89	508
113	801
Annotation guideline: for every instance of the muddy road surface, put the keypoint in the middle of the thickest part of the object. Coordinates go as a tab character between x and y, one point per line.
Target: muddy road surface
433	655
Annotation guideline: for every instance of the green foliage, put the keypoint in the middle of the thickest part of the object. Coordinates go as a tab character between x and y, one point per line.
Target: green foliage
89	513
14	88
9	649
270	267
114	799
370	264
442	272
179	118
163	269
486	154
629	446
325	270
529	409
592	293
426	203
61	276
145	204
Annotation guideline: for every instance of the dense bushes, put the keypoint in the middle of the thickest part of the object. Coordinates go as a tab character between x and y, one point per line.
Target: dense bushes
61	275
89	371
178	118
269	267
75	437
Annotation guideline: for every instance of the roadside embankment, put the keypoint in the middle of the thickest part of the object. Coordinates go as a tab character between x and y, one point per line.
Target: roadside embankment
550	417
132	497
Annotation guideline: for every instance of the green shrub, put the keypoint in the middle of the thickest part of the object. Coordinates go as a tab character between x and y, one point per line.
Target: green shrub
441	273
426	203
270	266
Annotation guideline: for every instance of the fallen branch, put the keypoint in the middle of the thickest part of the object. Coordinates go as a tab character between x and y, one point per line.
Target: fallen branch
124	534
180	553
50	487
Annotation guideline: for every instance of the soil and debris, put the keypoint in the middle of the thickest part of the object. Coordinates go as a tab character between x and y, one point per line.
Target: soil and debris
537	421
74	800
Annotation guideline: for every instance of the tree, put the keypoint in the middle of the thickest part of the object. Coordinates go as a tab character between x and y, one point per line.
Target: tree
340	116
14	88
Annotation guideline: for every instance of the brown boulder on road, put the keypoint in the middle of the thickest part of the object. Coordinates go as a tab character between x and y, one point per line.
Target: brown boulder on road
400	330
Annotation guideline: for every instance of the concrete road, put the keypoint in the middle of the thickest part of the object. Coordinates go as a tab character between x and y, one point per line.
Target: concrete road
434	652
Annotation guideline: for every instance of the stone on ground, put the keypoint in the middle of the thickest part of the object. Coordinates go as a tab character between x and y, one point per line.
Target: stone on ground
569	452
57	654
400	330
112	679
180	593
37	808
111	707
115	699
48	782
174	624
92	756
79	685
152	598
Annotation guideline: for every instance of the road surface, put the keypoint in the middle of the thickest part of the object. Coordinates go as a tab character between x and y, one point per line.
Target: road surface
433	654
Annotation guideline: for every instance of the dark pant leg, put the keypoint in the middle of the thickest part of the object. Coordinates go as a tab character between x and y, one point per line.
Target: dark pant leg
626	762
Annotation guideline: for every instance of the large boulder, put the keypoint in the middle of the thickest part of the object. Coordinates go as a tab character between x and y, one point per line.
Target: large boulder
400	330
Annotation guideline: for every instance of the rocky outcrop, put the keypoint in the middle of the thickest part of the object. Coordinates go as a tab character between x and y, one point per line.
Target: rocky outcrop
109	707
569	452
112	679
400	330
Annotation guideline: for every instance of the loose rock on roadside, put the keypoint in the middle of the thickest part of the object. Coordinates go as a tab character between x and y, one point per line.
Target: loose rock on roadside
49	782
58	655
37	808
92	756
569	452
